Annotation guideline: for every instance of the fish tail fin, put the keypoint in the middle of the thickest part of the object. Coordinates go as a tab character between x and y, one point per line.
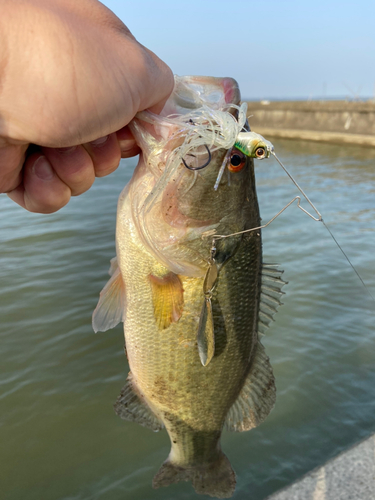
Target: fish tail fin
216	479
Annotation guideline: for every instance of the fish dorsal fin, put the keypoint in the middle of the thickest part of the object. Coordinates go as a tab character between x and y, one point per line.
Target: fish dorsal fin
110	309
168	299
270	296
130	405
257	397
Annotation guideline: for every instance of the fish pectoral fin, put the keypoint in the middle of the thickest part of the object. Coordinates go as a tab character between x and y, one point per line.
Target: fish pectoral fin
257	397
109	311
130	405
113	267
168	298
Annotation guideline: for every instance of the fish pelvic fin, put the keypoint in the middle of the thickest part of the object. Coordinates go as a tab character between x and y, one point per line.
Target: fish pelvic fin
111	306
257	396
216	479
168	299
131	405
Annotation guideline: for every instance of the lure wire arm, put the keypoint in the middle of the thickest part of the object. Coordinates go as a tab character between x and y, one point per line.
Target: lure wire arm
318	219
298	198
300	190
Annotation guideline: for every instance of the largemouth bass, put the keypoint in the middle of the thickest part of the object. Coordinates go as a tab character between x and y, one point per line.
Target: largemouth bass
193	304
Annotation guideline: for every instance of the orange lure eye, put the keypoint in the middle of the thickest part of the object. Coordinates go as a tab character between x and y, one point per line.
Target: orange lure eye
237	160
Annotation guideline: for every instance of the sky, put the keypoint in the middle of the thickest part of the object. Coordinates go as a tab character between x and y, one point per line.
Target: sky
274	49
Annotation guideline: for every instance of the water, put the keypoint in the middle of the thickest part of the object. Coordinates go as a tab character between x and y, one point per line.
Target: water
60	439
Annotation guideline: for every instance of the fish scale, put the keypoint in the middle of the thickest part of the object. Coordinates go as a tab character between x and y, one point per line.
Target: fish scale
197	389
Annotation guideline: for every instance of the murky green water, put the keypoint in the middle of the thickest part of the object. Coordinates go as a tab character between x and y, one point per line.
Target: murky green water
59	436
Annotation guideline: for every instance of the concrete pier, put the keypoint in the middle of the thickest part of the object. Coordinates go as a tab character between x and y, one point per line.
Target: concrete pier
322	121
349	476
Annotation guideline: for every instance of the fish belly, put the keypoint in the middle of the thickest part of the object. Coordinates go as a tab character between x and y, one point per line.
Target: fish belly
191	400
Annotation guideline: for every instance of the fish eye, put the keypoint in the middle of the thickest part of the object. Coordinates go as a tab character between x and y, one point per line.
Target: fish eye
237	160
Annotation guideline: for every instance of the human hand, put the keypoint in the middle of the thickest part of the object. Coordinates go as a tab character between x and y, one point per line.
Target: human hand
71	78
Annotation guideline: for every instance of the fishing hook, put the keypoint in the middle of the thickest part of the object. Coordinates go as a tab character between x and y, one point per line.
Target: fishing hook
202	166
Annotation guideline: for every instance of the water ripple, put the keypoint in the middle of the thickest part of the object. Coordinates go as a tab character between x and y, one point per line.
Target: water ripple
60	437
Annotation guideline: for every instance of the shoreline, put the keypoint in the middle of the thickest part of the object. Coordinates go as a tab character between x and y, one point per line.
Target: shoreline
349	475
336	122
312	135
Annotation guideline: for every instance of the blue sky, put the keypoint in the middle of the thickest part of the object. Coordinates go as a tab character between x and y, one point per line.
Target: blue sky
273	48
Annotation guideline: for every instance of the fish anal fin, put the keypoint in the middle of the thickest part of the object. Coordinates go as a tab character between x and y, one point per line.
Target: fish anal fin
130	405
168	299
110	308
257	397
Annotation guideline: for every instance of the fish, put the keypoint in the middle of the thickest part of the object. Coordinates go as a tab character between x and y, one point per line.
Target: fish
194	300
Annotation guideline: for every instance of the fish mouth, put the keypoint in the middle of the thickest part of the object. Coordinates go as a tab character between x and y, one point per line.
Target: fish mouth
174	205
190	91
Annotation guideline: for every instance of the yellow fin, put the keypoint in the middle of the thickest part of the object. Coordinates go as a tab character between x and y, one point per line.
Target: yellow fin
168	299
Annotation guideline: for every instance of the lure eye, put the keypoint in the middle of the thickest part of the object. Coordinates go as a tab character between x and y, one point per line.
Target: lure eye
237	161
260	153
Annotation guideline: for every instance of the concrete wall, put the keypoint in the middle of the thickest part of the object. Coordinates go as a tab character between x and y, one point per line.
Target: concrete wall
350	476
331	121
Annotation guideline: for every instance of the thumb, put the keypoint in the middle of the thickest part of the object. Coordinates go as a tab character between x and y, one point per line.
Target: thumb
152	80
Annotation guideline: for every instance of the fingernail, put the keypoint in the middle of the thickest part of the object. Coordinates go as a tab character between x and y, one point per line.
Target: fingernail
42	169
100	141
